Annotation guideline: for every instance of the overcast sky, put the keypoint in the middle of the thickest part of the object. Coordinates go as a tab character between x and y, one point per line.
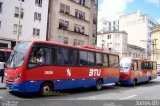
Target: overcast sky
111	9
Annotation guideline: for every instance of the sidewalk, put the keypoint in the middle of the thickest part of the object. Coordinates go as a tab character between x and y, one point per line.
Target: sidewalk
2	85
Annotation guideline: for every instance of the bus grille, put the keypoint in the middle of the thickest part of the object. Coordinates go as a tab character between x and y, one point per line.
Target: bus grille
9	79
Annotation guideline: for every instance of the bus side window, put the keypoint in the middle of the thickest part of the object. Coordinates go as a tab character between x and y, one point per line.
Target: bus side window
83	58
99	59
113	61
142	65
105	60
135	65
73	57
91	59
62	56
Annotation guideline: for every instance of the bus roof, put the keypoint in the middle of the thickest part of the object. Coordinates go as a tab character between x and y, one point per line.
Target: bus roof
142	59
84	47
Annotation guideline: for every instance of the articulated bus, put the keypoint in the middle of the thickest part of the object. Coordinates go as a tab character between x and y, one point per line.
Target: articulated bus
43	66
136	70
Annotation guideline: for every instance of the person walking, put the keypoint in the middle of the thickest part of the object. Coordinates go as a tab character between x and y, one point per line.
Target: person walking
2	68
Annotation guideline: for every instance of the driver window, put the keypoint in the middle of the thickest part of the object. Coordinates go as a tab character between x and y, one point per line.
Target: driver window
41	56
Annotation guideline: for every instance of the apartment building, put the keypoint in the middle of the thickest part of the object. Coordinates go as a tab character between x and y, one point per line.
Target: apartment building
73	22
115	41
155	34
135	51
138	26
24	18
110	25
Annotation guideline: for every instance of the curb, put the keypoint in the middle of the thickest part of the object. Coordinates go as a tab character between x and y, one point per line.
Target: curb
2	86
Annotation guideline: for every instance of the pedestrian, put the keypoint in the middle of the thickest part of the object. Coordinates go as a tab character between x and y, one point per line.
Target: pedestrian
2	68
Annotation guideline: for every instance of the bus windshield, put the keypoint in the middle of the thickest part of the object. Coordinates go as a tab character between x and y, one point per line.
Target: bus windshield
17	56
125	65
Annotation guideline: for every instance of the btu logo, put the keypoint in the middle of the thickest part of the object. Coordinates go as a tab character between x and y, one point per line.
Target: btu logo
95	72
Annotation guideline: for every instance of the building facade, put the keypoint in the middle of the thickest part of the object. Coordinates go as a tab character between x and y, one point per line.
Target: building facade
156	36
73	22
24	18
110	25
135	51
115	41
138	26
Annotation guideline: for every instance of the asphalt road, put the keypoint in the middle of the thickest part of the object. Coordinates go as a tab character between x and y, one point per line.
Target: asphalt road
84	95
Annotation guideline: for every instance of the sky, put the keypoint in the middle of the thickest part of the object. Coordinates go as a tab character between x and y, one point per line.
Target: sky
111	9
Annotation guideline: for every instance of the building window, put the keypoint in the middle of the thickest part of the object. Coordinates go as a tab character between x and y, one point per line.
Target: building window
67	9
79	14
36	32
1	7
82	2
63	24
38	2
37	16
15	29
64	8
15	26
109	36
75	42
16	14
78	42
63	40
21	0
79	29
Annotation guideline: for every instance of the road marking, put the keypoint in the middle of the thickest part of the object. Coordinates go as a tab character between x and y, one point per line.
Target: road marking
128	97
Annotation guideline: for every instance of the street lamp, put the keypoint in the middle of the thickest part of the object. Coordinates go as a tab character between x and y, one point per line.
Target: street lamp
19	22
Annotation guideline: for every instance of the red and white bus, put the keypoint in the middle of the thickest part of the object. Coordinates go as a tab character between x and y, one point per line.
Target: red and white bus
136	70
42	66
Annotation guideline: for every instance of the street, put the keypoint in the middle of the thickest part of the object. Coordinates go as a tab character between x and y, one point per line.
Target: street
109	92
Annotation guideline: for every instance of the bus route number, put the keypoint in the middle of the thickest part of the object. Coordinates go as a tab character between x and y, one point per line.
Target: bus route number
48	72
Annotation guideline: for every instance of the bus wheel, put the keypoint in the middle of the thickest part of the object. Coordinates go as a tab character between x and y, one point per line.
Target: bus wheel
134	82
116	83
46	89
99	85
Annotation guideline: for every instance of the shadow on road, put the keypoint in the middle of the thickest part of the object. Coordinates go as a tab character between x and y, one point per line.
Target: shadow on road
79	92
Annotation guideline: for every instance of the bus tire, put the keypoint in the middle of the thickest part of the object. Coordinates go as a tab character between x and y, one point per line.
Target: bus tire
116	83
46	89
99	84
134	82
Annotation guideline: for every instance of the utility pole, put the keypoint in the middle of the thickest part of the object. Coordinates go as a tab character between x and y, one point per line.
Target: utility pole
19	22
154	46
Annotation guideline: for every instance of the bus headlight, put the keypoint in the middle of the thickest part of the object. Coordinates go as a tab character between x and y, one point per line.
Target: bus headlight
18	76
